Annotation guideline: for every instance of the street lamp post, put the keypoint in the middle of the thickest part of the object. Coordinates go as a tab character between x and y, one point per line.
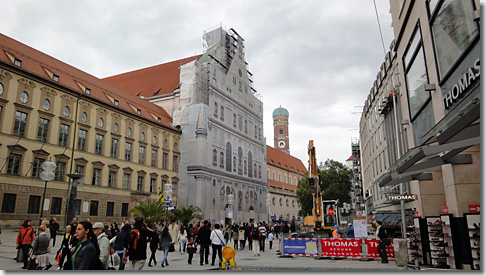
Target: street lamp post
72	196
268	205
168	195
46	175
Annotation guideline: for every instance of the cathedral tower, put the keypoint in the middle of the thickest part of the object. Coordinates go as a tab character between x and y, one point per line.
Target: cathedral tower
281	129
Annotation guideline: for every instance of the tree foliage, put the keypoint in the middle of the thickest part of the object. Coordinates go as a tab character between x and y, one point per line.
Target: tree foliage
186	214
336	180
149	210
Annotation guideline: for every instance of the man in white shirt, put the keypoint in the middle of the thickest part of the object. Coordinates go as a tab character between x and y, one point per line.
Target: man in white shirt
217	243
103	243
262	229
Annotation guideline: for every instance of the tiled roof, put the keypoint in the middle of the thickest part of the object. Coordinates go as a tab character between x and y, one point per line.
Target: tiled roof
151	81
285	161
44	66
350	158
281	185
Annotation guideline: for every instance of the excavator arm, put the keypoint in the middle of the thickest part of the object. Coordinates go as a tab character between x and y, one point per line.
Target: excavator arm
315	188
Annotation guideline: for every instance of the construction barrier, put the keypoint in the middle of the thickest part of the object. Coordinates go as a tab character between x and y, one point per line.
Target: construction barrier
341	248
300	247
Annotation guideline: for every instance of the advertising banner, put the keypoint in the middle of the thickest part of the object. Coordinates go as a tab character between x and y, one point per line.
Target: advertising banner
372	245
305	247
341	248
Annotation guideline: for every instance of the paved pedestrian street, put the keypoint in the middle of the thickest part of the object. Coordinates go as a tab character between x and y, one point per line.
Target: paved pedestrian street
245	260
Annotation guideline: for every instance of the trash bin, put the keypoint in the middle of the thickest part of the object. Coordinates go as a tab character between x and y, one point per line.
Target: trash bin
400	246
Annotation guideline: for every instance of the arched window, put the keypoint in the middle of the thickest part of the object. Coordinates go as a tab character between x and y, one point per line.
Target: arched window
260	171
273	176
255	170
279	177
240	161
234	120
244	168
280	201
234	163
216	110
285	178
268	174
240	201
250	161
215	157
222	113
221	159
287	202
228	157
273	200
246	127
176	147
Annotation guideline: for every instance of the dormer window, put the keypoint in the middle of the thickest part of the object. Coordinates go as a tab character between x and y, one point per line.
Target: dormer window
18	62
87	91
159	120
55	78
116	102
139	111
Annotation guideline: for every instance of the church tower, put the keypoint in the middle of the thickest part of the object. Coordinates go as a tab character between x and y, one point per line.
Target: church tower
281	129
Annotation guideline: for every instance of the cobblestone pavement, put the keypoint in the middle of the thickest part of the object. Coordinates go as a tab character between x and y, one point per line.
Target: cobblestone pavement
245	260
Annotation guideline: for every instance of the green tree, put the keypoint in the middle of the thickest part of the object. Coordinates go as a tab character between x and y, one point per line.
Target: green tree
186	214
336	180
304	197
149	210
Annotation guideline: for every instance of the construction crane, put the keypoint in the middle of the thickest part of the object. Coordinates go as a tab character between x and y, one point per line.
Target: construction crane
315	188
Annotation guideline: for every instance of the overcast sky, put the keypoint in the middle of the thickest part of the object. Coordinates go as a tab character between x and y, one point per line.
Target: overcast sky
317	59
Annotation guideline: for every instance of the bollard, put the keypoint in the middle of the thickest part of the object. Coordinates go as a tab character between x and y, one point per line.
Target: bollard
400	246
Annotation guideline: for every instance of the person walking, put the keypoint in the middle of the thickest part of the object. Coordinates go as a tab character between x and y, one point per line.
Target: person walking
173	230
381	245
25	237
86	253
255	236
119	242
65	249
226	233
182	238
165	241
270	239
154	245
191	249
285	230
54	230
135	248
263	230
114	230
217	244
203	238
242	236
40	248
350	231
248	228
236	235
103	243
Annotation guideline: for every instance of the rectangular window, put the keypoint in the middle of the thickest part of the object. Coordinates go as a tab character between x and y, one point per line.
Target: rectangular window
112	179
141	155
77	207
36	167
93	208
63	135
128	151
8	203
416	75
280	130
79	169
56	205
165	160
124	209
82	139
19	124
154	158
110	208
60	171
14	161
175	164
126	181
99	144
140	183
153	183
96	177
454	29
43	129
34	203
114	148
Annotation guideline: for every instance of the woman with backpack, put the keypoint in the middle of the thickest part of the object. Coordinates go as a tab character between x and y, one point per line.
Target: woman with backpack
255	236
86	254
165	240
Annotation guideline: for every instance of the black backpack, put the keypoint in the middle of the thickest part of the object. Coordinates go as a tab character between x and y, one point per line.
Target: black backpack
255	234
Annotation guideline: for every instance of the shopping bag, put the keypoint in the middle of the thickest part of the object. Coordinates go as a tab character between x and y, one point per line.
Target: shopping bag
58	256
171	247
20	255
32	264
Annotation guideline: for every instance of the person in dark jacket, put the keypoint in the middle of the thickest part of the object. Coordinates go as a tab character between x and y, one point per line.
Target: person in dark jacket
381	245
114	230
350	231
165	241
87	251
119	243
65	252
203	238
248	227
138	256
154	245
54	228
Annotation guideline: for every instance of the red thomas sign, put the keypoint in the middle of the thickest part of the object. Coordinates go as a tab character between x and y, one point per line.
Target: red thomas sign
341	248
372	245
